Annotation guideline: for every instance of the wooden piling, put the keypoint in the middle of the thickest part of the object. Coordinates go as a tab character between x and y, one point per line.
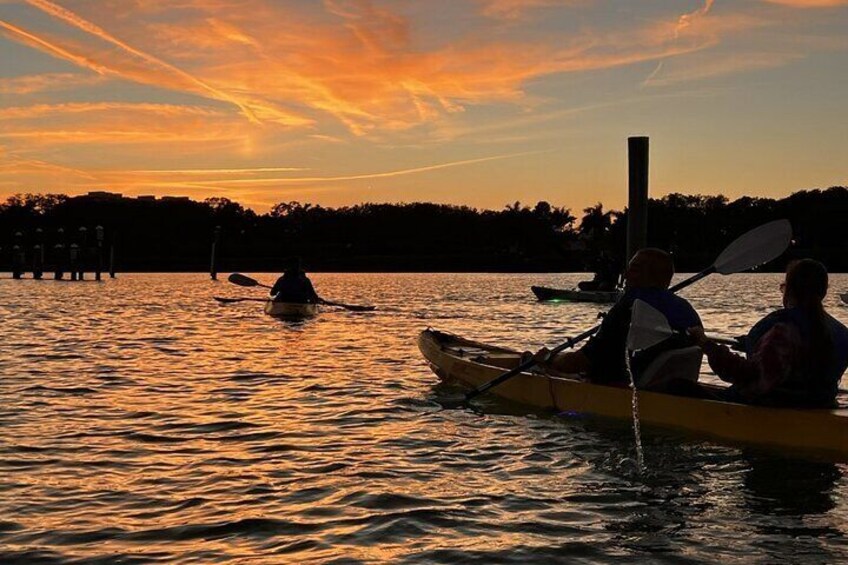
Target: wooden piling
18	256
112	259
216	242
39	238
37	262
73	261
99	231
637	203
82	252
60	258
17	261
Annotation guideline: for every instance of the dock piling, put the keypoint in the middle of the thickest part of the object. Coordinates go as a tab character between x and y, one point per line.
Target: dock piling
637	206
73	261
82	250
18	256
99	231
37	262
216	242
60	258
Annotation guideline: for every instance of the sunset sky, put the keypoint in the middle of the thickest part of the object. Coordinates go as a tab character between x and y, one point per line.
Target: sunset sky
479	102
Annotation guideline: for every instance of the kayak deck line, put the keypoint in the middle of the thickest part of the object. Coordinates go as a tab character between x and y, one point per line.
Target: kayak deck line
547	294
823	431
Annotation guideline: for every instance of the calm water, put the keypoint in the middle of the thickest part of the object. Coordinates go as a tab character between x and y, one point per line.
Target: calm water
142	422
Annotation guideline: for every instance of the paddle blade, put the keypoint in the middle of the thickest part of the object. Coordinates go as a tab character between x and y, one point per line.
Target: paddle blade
453	403
223	300
355	308
351	307
648	327
758	246
242	280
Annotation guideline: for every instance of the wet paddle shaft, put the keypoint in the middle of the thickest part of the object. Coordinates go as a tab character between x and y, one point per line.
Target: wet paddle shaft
758	246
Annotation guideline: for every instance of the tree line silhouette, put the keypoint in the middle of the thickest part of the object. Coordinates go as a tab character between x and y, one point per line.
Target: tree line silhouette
172	234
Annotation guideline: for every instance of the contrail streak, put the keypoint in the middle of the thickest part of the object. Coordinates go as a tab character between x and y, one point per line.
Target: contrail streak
76	21
81	61
372	175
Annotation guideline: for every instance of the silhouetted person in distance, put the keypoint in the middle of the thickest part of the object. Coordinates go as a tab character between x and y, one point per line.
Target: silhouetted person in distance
607	273
294	286
602	359
796	356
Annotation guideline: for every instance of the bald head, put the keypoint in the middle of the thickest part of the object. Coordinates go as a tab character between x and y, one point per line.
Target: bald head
650	268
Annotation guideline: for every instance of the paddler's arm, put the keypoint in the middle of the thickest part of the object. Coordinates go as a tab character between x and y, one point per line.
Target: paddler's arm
276	288
728	366
311	290
569	362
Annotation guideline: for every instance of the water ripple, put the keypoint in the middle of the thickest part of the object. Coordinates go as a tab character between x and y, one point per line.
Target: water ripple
184	431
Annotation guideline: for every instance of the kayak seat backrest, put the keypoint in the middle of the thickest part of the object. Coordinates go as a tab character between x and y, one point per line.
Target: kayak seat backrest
682	364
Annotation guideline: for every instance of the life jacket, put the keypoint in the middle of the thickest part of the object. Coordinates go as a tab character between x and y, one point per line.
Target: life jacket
808	384
293	288
606	350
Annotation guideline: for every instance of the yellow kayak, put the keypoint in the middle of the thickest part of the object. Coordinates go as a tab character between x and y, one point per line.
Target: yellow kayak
454	358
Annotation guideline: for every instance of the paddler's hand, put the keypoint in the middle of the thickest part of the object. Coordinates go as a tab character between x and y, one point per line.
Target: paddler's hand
541	357
698	335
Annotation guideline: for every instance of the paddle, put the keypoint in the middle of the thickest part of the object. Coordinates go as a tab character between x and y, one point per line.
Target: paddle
648	327
223	300
351	307
243	280
758	246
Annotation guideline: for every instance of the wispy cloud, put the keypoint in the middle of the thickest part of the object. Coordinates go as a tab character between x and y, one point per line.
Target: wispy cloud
197	91
161	110
517	9
74	20
686	20
810	3
50	82
245	171
362	176
16	33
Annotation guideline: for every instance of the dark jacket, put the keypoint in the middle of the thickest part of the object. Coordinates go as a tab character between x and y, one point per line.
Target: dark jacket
294	287
606	350
779	369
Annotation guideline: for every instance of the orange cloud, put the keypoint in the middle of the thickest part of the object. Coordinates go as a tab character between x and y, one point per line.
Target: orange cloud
31	84
235	83
71	18
515	9
43	110
810	3
146	68
15	33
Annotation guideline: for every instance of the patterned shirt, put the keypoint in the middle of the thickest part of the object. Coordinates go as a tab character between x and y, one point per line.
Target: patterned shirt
778	370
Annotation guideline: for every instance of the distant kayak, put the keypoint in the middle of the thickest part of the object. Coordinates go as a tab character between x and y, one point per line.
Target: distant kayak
290	309
546	294
472	363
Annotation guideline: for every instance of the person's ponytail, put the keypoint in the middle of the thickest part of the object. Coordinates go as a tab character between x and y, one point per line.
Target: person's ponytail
806	283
